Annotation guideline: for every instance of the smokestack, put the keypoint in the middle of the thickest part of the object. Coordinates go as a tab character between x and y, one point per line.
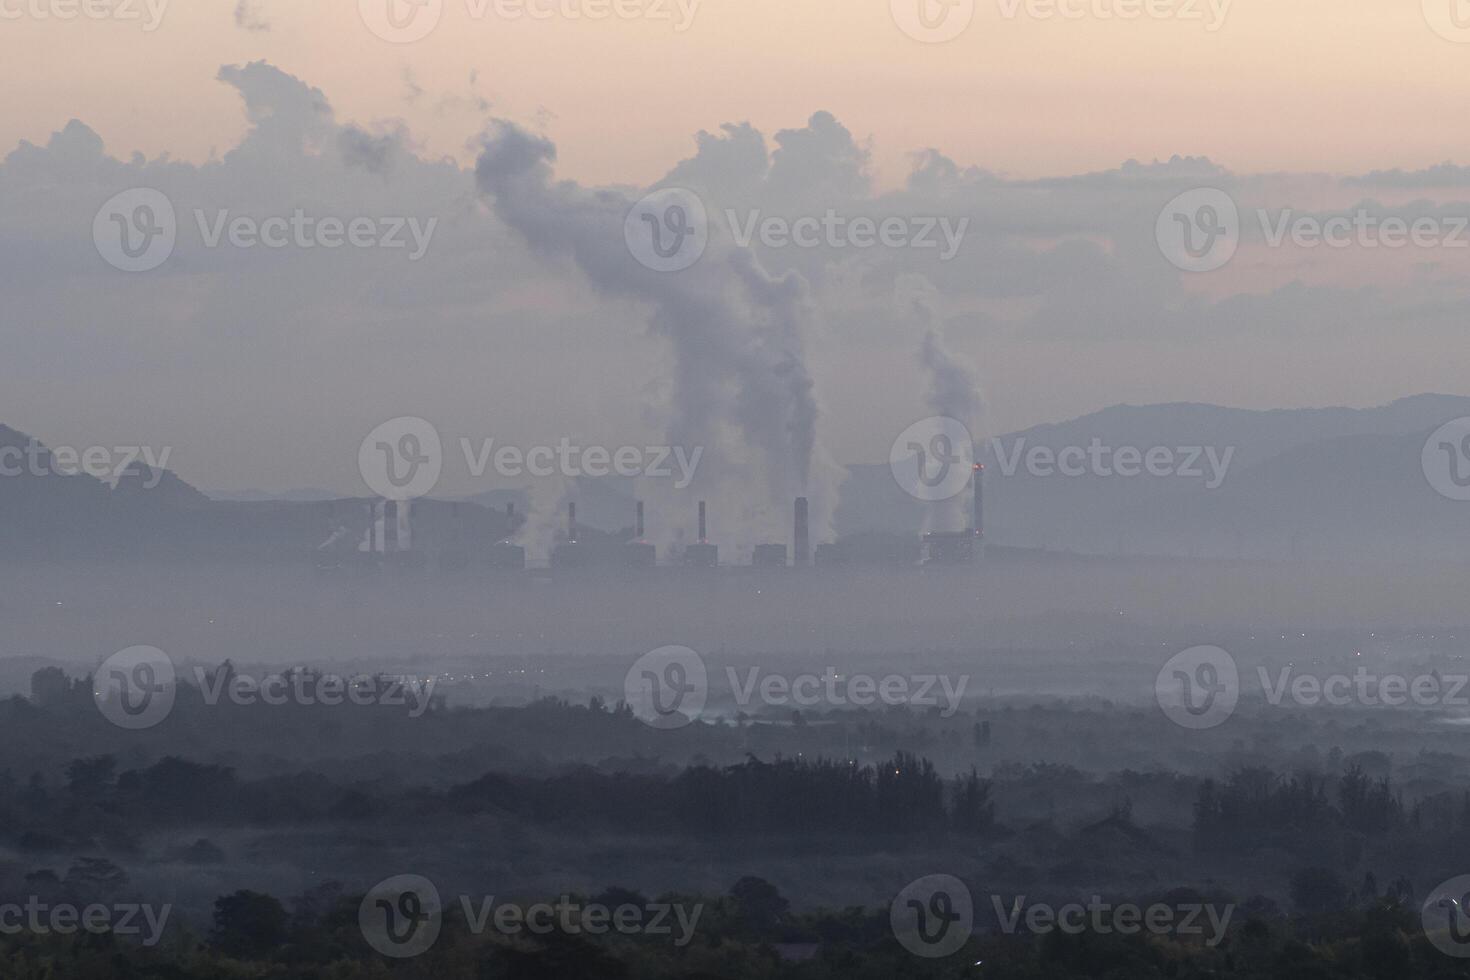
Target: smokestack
702	536
571	522
390	525
803	533
638	526
979	527
372	527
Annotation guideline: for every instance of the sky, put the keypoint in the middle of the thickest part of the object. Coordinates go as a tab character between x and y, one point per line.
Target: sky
1058	134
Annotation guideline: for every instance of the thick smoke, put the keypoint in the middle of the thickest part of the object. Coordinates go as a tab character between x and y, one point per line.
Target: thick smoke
741	388
953	391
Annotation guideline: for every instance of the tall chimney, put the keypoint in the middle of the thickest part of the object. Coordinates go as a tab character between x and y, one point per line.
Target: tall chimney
702	536
979	527
390	525
638	527
372	526
571	522
802	545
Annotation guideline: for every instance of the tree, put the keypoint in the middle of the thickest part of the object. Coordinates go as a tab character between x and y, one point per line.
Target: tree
758	902
1316	891
248	924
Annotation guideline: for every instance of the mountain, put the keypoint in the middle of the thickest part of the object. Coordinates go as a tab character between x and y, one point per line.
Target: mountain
1310	482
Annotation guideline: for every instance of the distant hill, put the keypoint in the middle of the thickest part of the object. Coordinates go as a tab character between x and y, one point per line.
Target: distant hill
1310	482
1332	482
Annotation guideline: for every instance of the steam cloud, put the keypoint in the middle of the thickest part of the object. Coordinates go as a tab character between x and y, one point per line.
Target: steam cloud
741	386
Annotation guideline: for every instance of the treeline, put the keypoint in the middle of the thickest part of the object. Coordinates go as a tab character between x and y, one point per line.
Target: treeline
98	807
749	933
786	796
1254	804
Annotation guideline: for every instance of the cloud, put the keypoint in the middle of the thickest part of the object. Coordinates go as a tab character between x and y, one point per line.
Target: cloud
248	16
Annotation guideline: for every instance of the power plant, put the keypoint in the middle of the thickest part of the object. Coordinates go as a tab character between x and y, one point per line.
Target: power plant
396	533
